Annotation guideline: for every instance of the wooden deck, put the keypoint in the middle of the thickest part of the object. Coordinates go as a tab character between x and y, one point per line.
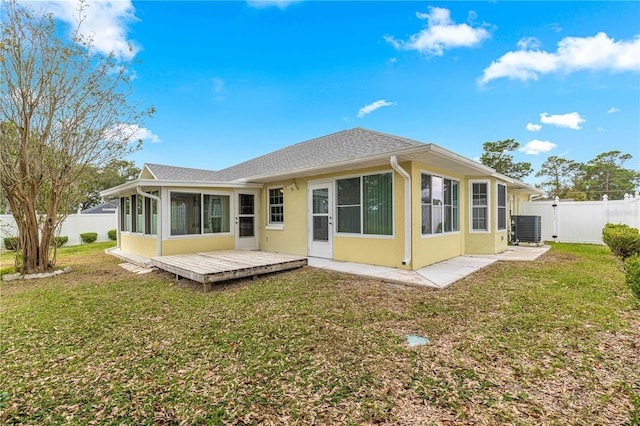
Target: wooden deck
216	266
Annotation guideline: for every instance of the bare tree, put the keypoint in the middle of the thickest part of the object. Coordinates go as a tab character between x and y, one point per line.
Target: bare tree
62	107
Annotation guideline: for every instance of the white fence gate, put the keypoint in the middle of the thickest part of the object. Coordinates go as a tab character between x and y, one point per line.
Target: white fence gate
72	227
582	221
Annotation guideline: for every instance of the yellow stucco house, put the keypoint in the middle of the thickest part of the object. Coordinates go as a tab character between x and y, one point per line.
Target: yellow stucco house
356	195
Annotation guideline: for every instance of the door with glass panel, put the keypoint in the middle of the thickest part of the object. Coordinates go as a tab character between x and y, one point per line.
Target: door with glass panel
246	227
321	220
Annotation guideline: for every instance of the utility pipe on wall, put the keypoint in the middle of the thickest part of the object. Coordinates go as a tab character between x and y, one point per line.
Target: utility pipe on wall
159	230
407	208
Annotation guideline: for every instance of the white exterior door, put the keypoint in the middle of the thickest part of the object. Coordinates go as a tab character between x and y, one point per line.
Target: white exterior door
246	226
321	220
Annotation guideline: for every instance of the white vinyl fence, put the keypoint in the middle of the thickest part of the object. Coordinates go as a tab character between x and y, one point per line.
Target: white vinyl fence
72	227
582	221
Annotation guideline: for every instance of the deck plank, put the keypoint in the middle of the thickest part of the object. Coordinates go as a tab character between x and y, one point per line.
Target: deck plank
217	266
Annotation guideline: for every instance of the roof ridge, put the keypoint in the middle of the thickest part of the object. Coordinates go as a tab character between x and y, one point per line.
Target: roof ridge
180	167
389	135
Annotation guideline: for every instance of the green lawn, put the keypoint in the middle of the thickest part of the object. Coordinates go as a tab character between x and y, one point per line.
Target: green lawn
555	341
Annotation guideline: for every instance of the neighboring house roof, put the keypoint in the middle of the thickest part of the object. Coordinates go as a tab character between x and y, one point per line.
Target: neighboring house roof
104	208
338	152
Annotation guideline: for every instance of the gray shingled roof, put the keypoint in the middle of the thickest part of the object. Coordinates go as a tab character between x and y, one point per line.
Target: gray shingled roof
162	172
347	145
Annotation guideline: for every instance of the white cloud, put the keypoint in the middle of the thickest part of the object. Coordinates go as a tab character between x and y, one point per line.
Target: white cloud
600	129
571	120
573	54
261	4
440	33
218	84
535	147
555	27
131	133
372	107
144	134
613	109
534	127
105	22
528	43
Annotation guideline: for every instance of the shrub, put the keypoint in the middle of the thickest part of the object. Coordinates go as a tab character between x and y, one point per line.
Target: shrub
632	274
89	237
623	240
11	243
59	241
113	235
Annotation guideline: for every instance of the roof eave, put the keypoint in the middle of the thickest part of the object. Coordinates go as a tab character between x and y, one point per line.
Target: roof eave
131	186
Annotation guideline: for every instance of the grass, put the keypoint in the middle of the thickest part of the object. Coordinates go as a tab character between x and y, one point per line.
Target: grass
555	341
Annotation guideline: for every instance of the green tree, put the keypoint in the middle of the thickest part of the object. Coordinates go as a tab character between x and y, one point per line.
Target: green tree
63	107
605	174
562	176
95	179
497	156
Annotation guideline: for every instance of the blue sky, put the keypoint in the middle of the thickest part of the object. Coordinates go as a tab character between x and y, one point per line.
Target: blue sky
234	80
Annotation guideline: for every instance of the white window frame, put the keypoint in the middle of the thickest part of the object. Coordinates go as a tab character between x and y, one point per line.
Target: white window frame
125	222
452	179
171	191
487	206
361	234
498	185
274	226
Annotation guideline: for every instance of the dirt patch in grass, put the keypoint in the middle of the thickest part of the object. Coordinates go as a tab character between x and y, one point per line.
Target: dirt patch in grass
554	341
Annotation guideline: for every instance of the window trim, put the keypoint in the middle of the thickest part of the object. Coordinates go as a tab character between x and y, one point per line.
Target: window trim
125	222
361	234
271	225
201	193
486	206
452	179
498	207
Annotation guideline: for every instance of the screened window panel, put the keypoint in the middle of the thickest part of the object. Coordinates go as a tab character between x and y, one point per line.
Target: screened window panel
320	228
480	218
479	194
151	215
440	205
377	196
438	190
349	191
502	207
216	214
276	205
139	214
448	219
425	192
125	215
185	214
455	206
246	226
447	192
349	212
132	214
321	201
437	226
426	219
246	204
349	219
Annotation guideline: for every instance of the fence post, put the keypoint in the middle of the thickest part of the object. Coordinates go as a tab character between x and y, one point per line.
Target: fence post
605	210
555	205
636	210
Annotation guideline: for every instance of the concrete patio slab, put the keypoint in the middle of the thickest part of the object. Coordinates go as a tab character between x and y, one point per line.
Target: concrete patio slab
439	275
